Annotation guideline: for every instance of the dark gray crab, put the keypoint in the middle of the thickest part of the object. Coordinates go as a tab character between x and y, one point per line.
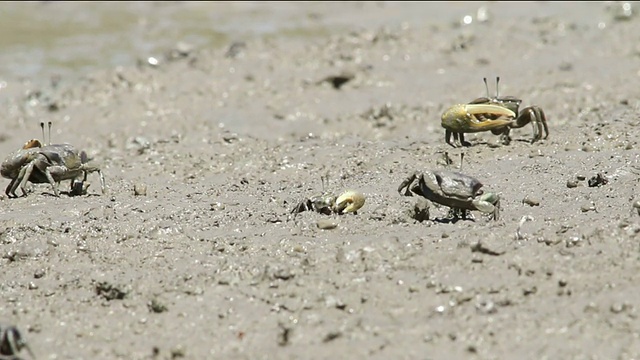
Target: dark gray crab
12	343
47	164
458	191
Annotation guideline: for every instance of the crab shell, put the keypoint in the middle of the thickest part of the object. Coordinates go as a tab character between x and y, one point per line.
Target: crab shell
458	190
323	203
450	188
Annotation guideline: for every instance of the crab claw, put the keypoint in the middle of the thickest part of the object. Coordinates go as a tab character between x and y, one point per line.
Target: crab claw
349	201
467	118
33	143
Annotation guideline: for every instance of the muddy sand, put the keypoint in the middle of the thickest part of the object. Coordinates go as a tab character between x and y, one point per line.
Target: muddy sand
192	252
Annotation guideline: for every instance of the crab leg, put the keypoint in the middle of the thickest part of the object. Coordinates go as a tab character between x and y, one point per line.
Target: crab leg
9	188
89	169
538	118
19	180
27	174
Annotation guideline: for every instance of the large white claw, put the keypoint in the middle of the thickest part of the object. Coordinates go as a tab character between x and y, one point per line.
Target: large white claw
349	201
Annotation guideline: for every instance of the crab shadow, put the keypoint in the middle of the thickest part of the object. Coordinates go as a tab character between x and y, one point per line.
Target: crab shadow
451	220
67	194
495	145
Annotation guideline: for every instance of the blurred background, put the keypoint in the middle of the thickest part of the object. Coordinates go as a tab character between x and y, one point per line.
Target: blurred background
43	39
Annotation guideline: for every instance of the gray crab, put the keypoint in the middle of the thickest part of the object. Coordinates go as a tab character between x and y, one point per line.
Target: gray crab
458	191
47	164
11	343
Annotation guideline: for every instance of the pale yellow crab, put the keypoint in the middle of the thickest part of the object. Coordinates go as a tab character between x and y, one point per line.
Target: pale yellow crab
349	202
496	114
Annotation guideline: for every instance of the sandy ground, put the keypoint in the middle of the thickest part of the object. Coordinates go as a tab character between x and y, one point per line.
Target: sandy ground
209	264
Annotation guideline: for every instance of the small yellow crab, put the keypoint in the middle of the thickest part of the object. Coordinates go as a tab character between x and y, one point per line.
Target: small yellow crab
496	114
349	202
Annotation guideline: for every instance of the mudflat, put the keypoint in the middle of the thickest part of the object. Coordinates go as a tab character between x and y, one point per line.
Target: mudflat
193	252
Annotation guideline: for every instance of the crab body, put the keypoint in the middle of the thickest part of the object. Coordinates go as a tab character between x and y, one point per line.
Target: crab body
458	191
47	164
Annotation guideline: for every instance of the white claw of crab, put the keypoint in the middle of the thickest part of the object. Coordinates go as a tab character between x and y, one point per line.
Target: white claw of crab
474	109
349	201
486	202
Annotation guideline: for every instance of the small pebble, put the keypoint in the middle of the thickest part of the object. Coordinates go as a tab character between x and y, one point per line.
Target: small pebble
152	61
566	66
217	206
636	205
572	184
581	177
327	224
590	207
140	190
535	153
531	201
587	148
618	308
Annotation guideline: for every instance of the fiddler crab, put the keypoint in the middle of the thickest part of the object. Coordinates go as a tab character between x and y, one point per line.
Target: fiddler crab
461	193
327	203
51	164
349	202
496	114
11	343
